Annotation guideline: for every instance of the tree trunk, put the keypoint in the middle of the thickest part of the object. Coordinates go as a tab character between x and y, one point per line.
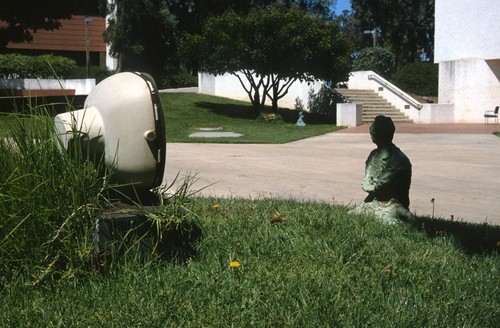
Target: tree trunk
119	64
256	103
253	92
275	94
275	104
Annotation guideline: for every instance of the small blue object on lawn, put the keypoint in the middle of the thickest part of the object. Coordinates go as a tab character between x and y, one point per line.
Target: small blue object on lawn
300	121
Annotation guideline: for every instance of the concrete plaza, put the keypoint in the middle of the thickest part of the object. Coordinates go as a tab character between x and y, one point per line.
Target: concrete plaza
457	165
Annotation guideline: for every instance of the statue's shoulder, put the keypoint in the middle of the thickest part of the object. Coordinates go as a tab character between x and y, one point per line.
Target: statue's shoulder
401	156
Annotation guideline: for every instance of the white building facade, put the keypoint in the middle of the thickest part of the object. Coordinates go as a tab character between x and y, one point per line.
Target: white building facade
467	49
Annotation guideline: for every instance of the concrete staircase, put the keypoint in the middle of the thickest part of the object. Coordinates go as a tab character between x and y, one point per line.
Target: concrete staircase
373	105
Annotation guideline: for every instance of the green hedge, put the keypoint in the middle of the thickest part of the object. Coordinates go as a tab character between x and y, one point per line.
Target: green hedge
418	78
44	66
97	72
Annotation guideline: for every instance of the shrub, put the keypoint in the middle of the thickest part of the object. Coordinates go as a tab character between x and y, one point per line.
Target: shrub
43	67
323	102
97	72
51	66
380	60
178	77
419	78
100	73
13	66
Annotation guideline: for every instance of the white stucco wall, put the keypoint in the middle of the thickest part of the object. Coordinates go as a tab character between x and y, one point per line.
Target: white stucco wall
229	86
436	114
472	85
81	86
467	48
466	29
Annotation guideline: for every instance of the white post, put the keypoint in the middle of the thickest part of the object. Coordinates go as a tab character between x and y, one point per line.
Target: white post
349	114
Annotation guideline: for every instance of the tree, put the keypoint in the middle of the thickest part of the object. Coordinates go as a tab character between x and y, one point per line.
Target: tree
142	35
404	26
21	18
352	27
272	50
192	14
420	78
378	59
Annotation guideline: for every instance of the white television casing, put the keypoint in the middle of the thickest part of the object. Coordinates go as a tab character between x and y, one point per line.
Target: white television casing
122	120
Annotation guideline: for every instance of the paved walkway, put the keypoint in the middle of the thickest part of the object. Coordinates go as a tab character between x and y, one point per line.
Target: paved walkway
180	90
465	128
458	165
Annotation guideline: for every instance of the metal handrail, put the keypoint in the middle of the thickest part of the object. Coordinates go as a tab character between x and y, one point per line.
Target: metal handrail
394	90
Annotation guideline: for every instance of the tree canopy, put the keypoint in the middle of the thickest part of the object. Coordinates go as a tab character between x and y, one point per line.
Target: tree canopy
141	35
377	59
404	26
144	34
192	14
272	49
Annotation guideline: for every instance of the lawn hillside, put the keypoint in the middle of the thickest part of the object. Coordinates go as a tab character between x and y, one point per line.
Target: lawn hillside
187	113
272	262
220	262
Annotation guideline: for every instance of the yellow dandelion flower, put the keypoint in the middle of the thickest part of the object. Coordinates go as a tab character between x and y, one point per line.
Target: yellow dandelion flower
234	264
216	206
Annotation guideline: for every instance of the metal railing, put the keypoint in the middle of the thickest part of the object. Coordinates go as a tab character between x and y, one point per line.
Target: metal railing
396	91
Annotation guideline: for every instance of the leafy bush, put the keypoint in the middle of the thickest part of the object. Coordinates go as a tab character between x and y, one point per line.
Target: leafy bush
97	72
178	77
419	78
43	67
52	66
323	102
380	60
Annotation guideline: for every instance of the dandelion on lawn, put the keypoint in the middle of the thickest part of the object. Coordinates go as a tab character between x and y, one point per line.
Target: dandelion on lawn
215	206
234	264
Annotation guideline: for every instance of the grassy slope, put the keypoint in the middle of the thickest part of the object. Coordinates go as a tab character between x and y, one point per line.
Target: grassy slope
186	113
320	267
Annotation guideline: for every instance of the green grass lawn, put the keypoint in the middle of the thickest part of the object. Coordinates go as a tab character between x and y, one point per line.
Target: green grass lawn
186	113
260	262
316	266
